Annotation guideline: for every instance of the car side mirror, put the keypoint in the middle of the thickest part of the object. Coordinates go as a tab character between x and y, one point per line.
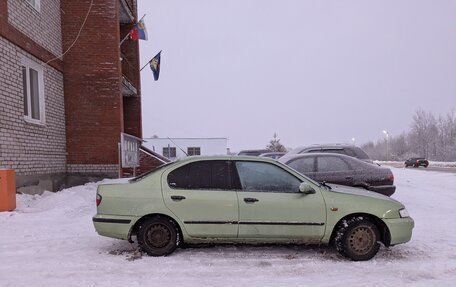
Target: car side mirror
306	188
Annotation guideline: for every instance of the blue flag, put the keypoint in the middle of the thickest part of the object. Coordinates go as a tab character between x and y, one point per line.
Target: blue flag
139	31
155	65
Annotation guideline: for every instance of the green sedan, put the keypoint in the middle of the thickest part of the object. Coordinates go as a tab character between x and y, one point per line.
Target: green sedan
246	200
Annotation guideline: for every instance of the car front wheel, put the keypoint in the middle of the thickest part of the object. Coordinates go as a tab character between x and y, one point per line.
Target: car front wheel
158	236
357	239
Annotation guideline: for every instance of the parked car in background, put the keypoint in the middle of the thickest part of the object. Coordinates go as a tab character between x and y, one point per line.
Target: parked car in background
342	169
349	150
273	155
246	200
417	162
253	152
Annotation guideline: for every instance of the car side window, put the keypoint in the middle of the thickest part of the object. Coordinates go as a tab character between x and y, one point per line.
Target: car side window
199	175
178	178
303	164
266	177
331	164
349	152
213	175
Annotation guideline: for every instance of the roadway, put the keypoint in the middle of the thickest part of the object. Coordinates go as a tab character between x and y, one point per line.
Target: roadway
429	168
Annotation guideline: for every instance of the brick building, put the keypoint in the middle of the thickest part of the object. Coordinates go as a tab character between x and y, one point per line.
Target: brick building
61	116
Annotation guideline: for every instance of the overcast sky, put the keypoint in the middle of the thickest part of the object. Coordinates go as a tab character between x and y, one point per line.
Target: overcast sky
312	71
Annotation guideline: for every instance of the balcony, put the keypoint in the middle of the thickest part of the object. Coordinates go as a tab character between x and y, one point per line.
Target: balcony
128	74
127	13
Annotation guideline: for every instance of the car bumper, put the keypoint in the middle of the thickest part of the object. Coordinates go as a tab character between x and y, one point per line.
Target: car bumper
387	190
114	226
400	229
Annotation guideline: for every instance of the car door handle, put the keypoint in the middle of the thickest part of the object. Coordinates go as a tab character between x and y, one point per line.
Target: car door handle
177	197
250	200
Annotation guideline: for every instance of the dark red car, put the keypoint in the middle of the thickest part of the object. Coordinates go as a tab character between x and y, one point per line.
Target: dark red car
417	162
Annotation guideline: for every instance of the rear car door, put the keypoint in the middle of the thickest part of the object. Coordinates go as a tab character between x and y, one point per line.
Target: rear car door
334	169
271	206
305	165
200	194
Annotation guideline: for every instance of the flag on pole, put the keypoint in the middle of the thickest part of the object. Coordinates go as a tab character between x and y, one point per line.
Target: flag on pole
139	31
155	65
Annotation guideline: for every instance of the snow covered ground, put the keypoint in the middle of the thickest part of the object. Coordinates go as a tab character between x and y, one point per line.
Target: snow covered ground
50	241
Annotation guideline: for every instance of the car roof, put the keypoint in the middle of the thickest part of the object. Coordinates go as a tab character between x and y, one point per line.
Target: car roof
273	152
226	157
253	151
320	146
288	157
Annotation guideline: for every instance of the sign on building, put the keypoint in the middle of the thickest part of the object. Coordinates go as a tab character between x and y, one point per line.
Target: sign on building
129	146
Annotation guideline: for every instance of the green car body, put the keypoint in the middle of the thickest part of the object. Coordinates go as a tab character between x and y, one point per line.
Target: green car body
310	214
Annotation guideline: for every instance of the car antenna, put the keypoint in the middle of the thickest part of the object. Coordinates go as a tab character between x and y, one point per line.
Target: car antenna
178	146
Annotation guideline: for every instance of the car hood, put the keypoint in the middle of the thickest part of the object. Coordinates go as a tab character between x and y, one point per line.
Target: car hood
359	191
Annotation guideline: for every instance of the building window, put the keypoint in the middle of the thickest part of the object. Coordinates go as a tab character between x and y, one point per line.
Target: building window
33	91
194	151
169	152
35	4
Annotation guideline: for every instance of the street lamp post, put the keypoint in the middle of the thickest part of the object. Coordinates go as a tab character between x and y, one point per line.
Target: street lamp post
353	141
386	139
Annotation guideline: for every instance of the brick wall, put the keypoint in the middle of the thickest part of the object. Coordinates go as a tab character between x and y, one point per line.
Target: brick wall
92	75
130	69
30	148
42	26
107	169
84	108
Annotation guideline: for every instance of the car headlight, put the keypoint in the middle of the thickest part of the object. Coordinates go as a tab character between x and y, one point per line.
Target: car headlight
404	213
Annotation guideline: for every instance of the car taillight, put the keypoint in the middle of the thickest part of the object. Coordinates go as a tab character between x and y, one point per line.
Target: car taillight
98	199
417	161
390	177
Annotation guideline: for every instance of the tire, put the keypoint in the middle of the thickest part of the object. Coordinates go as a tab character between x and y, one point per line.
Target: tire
158	236
357	239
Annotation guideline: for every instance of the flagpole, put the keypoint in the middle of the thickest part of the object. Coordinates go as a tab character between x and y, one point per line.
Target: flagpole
145	65
150	60
126	37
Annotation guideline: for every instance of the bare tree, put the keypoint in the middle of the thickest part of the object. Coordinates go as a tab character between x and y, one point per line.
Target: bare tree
399	146
423	134
429	137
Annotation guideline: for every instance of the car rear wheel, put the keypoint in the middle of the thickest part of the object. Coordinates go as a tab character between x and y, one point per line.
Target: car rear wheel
158	236
357	239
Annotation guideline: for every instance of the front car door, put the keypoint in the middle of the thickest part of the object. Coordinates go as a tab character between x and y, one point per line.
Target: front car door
200	194
271	206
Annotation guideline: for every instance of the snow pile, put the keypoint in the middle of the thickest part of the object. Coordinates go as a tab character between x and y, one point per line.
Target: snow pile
50	241
443	163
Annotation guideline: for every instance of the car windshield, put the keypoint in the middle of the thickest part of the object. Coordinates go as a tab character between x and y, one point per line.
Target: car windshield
141	176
